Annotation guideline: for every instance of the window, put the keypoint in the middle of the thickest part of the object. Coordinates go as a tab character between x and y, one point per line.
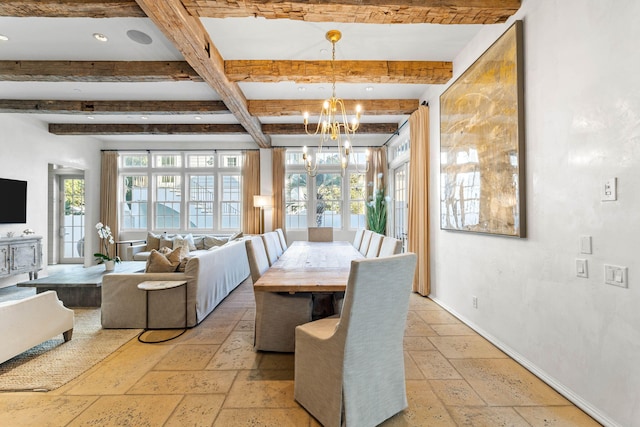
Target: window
181	191
327	200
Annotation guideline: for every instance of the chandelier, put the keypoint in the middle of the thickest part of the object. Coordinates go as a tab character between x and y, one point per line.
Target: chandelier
333	124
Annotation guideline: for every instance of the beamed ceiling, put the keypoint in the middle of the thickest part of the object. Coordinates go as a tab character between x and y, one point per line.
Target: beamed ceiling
239	72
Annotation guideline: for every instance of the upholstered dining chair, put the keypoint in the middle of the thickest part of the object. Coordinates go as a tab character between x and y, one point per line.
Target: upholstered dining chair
374	245
350	370
320	234
276	242
358	238
270	247
283	240
277	314
364	245
390	246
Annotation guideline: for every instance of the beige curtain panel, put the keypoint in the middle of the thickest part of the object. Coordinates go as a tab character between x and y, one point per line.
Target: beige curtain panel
418	226
251	187
109	196
279	160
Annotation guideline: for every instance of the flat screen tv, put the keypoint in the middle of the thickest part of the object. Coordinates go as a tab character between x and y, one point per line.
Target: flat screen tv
14	207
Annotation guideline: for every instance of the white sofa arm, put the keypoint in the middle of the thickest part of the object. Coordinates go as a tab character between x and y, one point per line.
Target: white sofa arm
30	321
130	251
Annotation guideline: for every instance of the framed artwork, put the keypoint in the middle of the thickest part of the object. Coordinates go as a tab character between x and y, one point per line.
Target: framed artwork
482	143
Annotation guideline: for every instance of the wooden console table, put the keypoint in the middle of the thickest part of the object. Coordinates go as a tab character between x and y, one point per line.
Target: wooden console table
21	255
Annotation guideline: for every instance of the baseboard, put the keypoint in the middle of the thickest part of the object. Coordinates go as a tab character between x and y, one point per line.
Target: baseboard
552	382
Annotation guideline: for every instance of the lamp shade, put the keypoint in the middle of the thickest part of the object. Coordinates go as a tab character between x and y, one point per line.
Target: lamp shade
262	201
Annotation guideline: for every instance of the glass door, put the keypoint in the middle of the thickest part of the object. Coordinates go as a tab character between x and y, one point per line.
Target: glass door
72	227
400	211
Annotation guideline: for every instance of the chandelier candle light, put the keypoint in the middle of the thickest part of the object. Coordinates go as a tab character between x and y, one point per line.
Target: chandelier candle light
333	123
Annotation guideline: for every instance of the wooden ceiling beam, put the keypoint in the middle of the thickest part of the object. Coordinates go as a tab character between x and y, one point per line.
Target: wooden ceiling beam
112	107
98	71
295	107
198	129
356	11
401	72
190	37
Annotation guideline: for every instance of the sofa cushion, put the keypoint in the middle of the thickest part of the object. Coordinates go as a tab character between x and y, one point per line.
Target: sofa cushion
235	236
159	263
182	245
153	241
199	242
166	241
210	242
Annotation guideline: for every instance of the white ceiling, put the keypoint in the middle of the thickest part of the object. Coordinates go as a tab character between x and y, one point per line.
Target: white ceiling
235	38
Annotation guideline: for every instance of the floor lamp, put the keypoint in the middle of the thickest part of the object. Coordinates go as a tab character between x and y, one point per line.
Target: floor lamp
262	202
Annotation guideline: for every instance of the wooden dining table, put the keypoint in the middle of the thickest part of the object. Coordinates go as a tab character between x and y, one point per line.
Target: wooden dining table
310	267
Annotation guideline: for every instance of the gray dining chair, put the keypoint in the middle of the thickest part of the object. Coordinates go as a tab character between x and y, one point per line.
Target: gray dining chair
357	240
366	238
270	246
350	370
374	245
277	314
390	246
320	234
283	240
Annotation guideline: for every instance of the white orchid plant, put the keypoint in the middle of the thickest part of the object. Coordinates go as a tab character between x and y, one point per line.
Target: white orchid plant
104	232
377	207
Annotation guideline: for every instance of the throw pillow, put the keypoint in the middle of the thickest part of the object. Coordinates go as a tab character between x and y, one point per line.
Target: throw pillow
182	245
210	242
166	241
153	241
199	242
189	239
183	264
159	263
235	236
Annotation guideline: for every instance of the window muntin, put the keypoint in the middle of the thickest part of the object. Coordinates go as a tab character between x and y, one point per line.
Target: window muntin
180	191
135	194
327	199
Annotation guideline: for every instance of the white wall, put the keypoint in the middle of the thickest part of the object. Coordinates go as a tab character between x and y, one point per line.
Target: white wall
26	150
582	108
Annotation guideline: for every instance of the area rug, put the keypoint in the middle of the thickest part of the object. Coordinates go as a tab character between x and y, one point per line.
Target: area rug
54	362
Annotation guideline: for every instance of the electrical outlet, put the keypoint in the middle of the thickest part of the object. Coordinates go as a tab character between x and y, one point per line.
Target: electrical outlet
475	302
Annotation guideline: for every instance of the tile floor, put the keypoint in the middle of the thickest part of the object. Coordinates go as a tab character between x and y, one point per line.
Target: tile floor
210	376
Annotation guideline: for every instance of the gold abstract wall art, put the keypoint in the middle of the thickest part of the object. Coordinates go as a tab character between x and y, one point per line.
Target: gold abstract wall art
482	143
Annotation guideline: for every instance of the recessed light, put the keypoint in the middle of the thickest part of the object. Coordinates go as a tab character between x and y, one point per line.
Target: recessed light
4	38
323	51
198	118
301	89
90	117
139	37
321	88
100	37
369	88
143	117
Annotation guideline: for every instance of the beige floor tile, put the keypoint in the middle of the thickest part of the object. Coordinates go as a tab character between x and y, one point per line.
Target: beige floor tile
262	389
128	411
433	365
118	374
411	370
466	347
263	417
456	393
418	343
196	411
40	409
184	382
417	327
503	382
486	416
453	329
558	416
249	315
245	325
187	357
272	361
418	302
236	353
437	317
208	335
425	409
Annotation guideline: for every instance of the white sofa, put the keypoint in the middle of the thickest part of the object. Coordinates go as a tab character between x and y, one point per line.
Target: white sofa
30	321
211	275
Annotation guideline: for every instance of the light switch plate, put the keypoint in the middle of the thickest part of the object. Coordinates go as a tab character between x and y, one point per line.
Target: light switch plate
585	245
582	269
615	275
